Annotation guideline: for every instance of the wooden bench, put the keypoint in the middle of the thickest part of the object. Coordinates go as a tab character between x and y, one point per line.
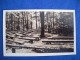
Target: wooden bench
10	41
12	36
57	41
28	38
60	37
19	42
37	37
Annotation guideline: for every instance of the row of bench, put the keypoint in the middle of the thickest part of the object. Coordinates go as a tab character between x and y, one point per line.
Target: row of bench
14	47
61	37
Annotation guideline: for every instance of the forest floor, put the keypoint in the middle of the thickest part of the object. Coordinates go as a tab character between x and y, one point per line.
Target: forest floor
35	46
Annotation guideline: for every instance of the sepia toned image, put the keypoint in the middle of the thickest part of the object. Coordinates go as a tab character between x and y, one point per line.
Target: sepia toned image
39	31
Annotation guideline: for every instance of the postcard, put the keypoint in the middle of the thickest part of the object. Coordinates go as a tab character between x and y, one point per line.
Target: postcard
39	32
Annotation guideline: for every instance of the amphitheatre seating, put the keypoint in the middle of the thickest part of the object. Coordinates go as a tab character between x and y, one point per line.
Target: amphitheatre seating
57	41
30	39
61	37
19	42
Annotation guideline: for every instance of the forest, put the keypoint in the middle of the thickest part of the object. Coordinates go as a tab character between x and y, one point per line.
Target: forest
51	22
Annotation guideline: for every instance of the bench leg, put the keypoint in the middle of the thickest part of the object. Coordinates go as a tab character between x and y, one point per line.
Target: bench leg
13	50
31	42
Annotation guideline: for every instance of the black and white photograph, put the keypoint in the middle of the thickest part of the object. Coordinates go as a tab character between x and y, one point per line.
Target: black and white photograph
38	32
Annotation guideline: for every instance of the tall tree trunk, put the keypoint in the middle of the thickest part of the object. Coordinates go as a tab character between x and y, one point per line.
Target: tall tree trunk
7	21
21	24
47	19
49	26
14	23
18	25
53	22
11	22
27	23
42	24
36	22
23	19
31	22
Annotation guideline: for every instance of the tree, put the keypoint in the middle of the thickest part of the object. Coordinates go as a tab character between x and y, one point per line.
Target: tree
18	27
11	22
23	19
66	24
27	22
42	24
49	23
31	22
7	21
53	23
36	18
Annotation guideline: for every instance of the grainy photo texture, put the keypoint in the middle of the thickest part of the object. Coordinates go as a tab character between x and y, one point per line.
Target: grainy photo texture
35	31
